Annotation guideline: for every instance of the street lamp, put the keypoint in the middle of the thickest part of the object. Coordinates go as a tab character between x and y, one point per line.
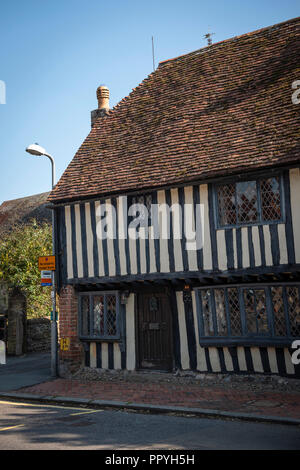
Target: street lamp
39	151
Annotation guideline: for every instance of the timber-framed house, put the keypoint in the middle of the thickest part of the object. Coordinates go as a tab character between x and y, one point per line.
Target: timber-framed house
214	133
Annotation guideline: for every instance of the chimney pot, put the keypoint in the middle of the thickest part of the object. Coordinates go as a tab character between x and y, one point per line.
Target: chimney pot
103	104
103	97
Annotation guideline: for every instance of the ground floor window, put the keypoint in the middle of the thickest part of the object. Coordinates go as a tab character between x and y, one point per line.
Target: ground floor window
257	313
99	315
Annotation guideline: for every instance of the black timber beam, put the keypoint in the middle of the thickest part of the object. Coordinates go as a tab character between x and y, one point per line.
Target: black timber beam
271	273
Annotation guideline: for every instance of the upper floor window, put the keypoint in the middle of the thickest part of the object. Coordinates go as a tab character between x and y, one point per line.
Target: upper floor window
144	203
249	202
99	315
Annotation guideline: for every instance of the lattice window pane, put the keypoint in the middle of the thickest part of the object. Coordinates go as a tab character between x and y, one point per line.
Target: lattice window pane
256	311
249	301
294	309
234	309
98	315
220	312
141	201
247	201
270	199
148	202
111	315
278	312
261	311
226	204
85	315
145	201
207	314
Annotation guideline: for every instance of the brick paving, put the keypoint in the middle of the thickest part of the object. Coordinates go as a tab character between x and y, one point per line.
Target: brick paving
280	403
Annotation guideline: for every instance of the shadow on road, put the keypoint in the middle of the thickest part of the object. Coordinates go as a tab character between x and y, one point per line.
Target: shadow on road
42	427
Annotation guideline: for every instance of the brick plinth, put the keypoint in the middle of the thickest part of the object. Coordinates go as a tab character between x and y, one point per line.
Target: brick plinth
73	358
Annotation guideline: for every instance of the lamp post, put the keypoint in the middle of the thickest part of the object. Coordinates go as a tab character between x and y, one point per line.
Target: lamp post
39	151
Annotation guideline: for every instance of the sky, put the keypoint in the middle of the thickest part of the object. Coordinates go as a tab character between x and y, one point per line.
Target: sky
55	53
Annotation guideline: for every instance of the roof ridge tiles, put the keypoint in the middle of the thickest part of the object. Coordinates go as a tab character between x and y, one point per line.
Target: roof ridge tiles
233	38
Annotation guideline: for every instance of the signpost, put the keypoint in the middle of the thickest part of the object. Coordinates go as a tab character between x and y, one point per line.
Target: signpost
47	268
46	278
47	263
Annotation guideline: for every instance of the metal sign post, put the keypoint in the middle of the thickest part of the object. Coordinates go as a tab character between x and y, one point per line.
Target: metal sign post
47	268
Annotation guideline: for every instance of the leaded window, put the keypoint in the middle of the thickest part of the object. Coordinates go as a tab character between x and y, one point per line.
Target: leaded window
220	312
279	313
270	199
234	312
249	202
256	311
145	202
99	315
268	313
85	316
246	202
207	314
294	310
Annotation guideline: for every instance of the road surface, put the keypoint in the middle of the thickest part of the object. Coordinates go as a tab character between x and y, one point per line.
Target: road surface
39	426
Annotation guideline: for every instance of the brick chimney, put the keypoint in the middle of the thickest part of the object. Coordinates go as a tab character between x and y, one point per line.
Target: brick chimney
103	104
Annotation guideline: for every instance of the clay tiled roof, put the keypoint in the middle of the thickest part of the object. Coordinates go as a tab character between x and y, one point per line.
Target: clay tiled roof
23	210
222	109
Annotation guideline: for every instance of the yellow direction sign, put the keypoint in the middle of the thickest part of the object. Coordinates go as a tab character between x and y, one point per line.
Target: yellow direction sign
47	263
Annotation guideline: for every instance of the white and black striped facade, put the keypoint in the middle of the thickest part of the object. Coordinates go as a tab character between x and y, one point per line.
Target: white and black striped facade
245	255
188	353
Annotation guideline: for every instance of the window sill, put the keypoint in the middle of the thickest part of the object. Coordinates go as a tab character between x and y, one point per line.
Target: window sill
255	342
251	224
100	340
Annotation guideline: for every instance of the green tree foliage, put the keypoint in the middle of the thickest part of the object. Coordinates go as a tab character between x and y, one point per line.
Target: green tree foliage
19	252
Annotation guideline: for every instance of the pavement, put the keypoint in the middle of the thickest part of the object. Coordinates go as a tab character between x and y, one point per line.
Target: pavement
30	380
22	371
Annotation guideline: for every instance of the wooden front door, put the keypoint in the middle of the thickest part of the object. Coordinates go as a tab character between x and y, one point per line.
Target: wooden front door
155	349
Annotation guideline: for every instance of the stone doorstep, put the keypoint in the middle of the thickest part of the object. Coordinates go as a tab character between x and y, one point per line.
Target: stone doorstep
204	413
